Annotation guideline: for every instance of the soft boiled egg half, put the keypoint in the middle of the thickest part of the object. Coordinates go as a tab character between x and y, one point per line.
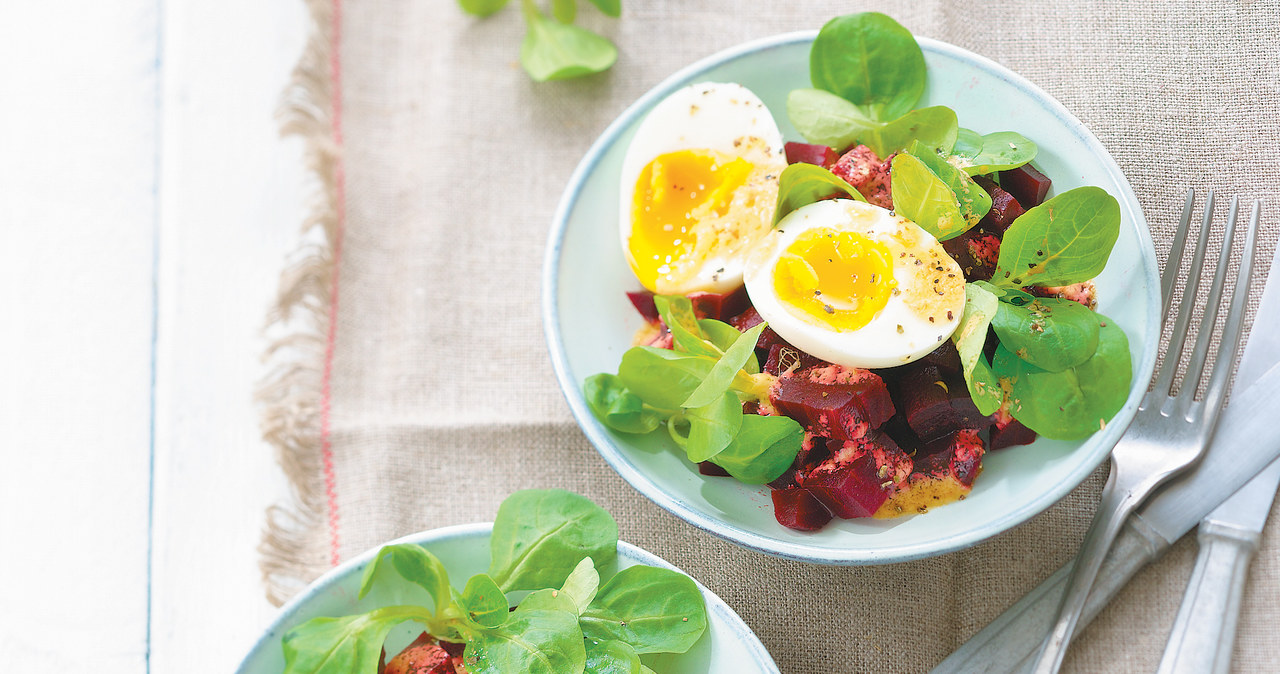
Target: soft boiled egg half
856	285
699	186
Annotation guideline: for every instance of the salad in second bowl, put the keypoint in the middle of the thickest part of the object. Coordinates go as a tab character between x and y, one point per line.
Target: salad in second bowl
556	598
855	320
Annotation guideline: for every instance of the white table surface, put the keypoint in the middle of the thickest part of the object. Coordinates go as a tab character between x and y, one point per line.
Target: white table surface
147	206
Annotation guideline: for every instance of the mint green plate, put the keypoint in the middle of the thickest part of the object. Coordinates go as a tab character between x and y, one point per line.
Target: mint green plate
728	646
589	323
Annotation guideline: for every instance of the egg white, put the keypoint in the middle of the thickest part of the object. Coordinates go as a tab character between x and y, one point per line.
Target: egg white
903	330
720	117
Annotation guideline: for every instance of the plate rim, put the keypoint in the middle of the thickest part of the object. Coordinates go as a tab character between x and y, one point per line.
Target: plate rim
716	606
854	556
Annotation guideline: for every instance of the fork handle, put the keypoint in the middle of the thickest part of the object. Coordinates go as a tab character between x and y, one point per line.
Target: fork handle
1204	631
1117	502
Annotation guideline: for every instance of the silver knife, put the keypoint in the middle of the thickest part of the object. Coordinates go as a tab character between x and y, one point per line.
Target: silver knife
1204	631
1015	635
1013	638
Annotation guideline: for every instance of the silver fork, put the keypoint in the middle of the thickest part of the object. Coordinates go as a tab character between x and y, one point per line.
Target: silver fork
1169	432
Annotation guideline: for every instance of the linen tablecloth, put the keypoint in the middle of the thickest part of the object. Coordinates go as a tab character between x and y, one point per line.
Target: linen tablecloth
410	384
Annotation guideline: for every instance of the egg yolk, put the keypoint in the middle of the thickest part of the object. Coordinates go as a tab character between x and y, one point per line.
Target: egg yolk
673	193
834	278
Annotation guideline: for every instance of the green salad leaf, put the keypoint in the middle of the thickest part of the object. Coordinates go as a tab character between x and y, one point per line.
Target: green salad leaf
345	644
972	201
712	426
803	184
536	641
581	585
611	8
726	368
723	335
1049	332
654	610
484	602
923	198
615	405
549	599
1064	240
763	449
993	152
980	307
612	657
564	11
870	60
1076	402
414	563
539	537
698	389
827	119
553	50
481	7
933	127
677	313
824	118
663	378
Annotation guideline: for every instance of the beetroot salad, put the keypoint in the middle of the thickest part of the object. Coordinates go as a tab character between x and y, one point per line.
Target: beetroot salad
856	319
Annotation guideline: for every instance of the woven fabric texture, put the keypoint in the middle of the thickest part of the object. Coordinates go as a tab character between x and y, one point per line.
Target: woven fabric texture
426	394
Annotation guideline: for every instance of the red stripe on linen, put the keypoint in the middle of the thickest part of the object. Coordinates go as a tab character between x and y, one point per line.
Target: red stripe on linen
340	206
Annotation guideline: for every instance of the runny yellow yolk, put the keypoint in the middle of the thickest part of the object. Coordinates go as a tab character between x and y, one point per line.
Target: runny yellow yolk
835	278
673	193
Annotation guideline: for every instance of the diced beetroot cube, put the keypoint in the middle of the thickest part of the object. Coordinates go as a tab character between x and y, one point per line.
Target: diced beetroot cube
797	509
834	401
423	656
934	404
1011	434
768	339
642	300
958	455
966	456
900	431
453	648
813	451
750	318
859	477
719	306
807	153
1005	208
659	337
714	470
867	173
787	480
946	358
850	489
1085	292
1026	184
784	357
976	251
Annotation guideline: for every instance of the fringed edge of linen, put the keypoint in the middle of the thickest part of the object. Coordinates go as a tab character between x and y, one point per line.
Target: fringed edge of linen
291	396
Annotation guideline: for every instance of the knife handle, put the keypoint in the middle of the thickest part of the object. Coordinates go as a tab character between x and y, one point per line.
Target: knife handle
1204	631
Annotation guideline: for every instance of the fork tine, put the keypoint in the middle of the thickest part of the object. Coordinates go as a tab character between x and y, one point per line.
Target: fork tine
1173	355
1230	342
1195	366
1173	263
